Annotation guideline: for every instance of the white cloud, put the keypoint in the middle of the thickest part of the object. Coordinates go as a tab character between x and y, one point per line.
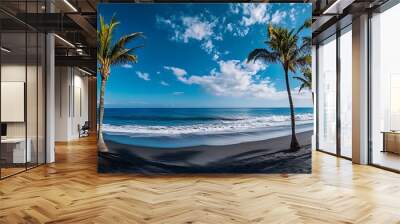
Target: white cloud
241	32
237	30
177	71
188	28
143	75
195	28
177	93
127	66
158	72
251	14
278	16
229	27
162	20
215	57
233	78
234	8
208	46
254	13
240	79
292	15
164	83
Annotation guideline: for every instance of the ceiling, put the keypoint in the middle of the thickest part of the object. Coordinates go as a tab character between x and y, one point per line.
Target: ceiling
74	21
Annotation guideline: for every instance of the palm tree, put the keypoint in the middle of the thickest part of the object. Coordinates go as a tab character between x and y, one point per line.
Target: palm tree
287	48
108	54
305	80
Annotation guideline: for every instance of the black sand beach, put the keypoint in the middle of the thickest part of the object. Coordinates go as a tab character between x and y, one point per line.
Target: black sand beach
267	156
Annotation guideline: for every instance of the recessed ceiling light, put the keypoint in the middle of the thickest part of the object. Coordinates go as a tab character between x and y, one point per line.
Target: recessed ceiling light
337	7
84	71
64	40
5	50
70	5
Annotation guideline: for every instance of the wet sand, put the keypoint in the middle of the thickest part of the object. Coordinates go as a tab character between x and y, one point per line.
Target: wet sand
266	156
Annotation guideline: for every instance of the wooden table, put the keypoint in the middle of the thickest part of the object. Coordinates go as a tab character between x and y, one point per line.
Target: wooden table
391	141
14	150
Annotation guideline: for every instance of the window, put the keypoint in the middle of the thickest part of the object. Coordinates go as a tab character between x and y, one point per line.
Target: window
385	89
346	92
327	95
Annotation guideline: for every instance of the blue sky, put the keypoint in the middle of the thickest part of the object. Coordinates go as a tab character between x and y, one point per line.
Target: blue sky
194	55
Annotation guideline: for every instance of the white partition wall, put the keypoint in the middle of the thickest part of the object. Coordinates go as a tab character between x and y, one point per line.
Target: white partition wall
71	102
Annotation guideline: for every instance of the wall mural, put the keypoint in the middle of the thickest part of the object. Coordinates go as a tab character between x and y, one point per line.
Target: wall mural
204	88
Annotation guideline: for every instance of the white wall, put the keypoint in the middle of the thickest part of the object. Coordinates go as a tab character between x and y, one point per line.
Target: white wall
71	102
12	73
80	110
61	103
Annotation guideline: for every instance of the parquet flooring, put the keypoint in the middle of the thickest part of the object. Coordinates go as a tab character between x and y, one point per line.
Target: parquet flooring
71	191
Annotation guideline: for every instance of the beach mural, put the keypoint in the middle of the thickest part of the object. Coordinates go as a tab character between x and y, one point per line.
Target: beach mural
204	88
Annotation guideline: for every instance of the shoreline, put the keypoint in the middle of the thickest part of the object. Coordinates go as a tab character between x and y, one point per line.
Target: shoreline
265	156
208	139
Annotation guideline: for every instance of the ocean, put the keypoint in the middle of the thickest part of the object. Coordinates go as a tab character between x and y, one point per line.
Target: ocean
185	127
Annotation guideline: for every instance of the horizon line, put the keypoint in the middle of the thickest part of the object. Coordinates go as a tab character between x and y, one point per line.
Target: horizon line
205	107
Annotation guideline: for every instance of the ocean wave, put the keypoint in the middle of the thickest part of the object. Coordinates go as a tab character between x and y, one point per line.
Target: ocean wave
172	118
223	126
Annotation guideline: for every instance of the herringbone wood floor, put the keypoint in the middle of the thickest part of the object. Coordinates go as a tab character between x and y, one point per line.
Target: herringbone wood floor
71	191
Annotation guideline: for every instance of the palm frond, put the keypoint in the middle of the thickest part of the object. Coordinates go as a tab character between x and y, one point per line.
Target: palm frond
303	61
264	54
304	83
302	86
306	79
306	25
307	40
301	79
110	53
123	41
125	56
305	48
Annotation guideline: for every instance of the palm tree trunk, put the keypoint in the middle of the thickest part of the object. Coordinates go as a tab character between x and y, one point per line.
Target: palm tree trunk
101	145
294	144
312	95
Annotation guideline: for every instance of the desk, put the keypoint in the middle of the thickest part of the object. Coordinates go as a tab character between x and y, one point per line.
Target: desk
19	155
391	141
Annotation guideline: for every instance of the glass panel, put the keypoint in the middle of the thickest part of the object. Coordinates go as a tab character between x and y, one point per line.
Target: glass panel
327	95
346	92
385	84
32	88
31	99
23	88
13	86
41	98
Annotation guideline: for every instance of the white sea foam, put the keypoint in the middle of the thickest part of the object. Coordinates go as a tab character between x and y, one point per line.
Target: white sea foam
219	127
